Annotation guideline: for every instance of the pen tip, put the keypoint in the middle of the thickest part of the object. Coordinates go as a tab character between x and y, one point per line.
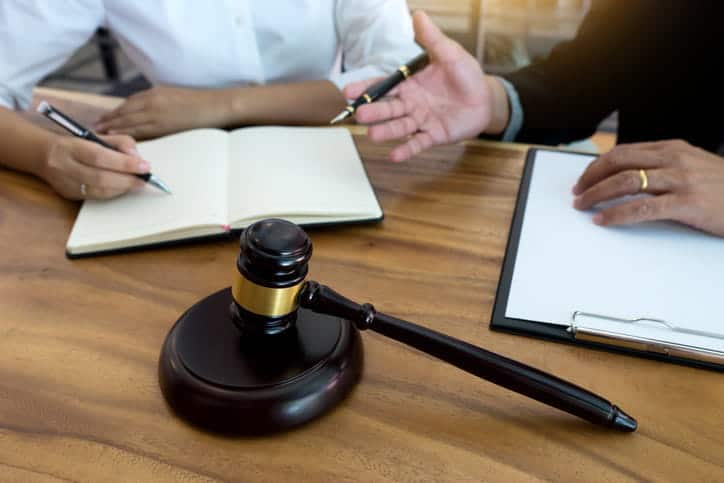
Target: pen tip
624	422
160	185
340	117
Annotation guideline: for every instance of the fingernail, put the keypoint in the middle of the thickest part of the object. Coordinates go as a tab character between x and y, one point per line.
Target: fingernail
577	202
598	219
144	167
575	189
134	152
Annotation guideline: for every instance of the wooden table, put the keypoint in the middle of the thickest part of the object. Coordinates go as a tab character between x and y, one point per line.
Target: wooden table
79	342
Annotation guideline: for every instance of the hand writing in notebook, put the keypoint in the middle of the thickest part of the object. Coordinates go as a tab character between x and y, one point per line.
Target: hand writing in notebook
79	169
226	180
687	184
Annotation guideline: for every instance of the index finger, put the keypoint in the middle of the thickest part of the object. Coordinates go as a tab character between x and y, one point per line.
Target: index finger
383	111
123	143
97	156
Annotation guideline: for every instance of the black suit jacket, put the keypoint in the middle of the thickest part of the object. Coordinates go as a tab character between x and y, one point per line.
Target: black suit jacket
655	61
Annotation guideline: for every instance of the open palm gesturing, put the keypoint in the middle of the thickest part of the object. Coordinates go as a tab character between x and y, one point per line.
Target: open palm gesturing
448	101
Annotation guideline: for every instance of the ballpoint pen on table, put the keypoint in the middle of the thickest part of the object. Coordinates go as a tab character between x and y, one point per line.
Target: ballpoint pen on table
381	88
78	130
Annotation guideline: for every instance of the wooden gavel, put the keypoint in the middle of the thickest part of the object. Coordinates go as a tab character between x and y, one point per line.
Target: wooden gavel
283	319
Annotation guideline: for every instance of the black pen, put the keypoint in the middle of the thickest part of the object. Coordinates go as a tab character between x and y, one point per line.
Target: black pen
78	130
384	86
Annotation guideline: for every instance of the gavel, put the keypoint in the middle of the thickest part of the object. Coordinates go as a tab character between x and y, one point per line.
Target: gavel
277	350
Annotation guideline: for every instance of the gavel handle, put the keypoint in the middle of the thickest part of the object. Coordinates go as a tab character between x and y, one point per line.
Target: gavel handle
487	365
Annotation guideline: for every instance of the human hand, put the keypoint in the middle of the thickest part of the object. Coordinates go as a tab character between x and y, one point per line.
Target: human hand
687	184
446	102
165	110
80	169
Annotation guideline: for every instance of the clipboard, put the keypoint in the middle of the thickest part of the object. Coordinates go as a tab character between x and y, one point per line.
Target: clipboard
648	335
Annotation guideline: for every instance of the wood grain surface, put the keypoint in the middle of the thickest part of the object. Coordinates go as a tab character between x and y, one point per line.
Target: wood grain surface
79	342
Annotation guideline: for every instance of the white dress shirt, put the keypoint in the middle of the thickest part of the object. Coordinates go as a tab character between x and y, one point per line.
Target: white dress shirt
208	43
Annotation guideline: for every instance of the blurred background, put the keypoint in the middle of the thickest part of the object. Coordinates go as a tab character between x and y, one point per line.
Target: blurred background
502	34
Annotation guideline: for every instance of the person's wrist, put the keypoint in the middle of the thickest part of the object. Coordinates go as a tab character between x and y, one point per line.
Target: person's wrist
48	149
231	106
500	107
212	108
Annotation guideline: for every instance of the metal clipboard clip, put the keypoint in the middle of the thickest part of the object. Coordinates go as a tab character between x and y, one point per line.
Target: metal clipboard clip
652	345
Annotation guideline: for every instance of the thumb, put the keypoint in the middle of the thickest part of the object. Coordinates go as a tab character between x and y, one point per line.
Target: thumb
430	37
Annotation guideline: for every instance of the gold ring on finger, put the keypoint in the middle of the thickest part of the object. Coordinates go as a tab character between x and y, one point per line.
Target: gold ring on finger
644	180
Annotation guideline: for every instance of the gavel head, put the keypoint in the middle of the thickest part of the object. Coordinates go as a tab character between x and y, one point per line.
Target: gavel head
291	363
271	270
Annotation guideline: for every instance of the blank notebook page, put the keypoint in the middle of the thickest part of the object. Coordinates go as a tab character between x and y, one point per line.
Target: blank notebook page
659	270
297	172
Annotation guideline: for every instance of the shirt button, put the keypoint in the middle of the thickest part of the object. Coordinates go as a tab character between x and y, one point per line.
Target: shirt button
238	21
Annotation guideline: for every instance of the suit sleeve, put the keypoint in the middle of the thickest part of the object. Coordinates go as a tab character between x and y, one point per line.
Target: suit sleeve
565	96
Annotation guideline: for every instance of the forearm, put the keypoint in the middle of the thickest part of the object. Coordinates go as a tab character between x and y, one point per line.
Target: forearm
309	102
23	147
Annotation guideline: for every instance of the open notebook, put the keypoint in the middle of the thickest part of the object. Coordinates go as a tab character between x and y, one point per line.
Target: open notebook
222	181
652	288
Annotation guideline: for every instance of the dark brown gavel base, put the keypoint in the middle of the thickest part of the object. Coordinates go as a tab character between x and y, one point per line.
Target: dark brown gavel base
218	380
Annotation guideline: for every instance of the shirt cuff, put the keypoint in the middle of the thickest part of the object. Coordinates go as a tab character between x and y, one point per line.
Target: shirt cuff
11	101
6	100
515	123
